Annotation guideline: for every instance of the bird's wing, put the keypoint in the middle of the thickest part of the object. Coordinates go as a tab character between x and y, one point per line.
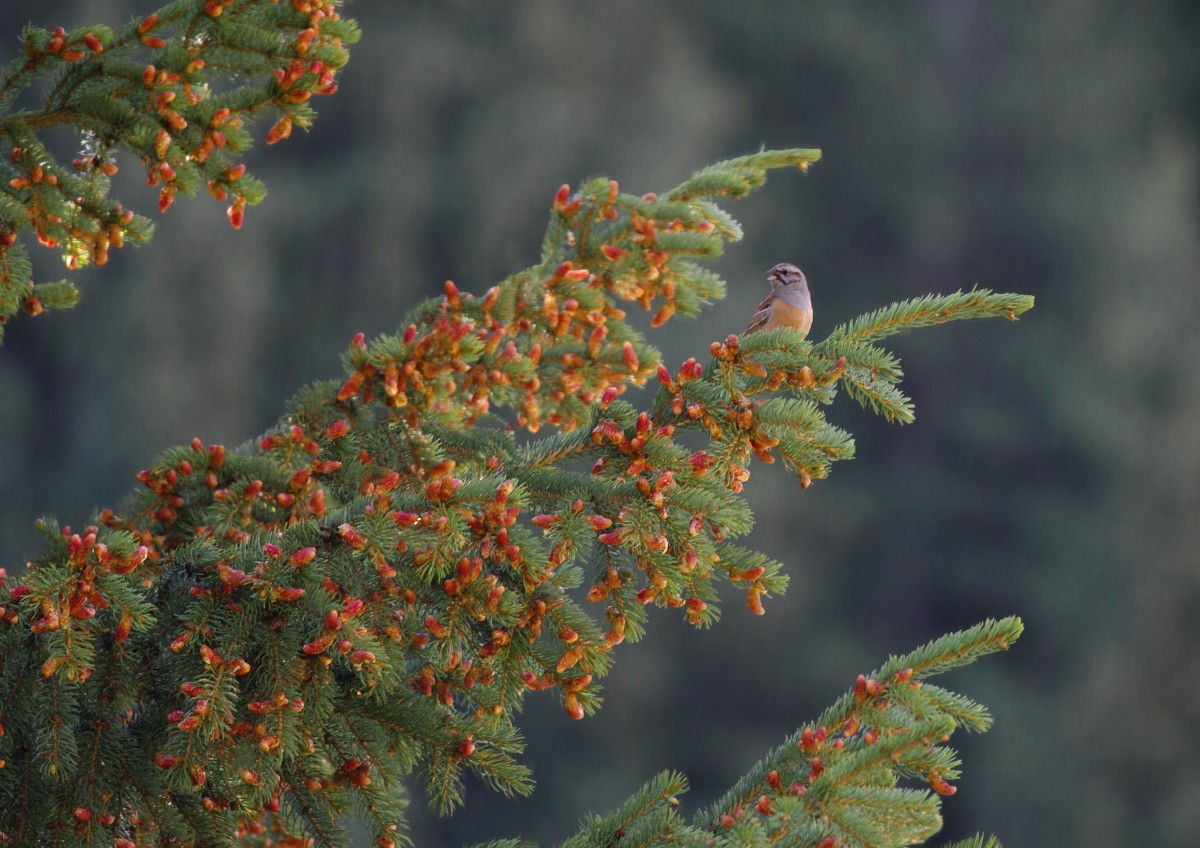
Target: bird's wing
760	318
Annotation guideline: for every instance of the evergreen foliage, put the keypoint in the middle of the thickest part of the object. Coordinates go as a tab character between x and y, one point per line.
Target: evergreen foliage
267	638
835	783
180	89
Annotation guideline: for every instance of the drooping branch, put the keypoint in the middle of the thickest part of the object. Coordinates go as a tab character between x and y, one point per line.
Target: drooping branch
180	90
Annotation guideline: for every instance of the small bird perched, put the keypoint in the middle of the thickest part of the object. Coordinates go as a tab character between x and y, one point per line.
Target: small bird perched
789	303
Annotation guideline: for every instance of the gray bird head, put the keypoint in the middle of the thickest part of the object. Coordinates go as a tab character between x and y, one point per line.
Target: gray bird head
785	275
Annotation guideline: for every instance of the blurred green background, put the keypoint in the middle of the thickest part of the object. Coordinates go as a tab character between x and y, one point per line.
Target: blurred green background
1049	148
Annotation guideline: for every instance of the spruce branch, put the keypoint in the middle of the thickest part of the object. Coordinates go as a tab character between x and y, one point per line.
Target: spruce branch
737	177
180	90
977	841
269	636
926	312
646	818
836	782
884	724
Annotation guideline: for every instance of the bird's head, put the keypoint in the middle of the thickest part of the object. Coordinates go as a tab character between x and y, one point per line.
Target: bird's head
784	275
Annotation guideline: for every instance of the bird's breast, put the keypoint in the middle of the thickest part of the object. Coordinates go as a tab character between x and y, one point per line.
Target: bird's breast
785	315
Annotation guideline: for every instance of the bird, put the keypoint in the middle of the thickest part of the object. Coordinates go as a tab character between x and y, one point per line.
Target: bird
788	305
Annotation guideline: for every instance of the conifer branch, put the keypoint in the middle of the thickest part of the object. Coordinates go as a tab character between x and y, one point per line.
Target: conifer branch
179	90
884	724
926	312
836	783
371	589
655	801
737	177
977	841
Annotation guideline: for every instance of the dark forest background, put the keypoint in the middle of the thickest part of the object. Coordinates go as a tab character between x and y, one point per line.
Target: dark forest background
1049	148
